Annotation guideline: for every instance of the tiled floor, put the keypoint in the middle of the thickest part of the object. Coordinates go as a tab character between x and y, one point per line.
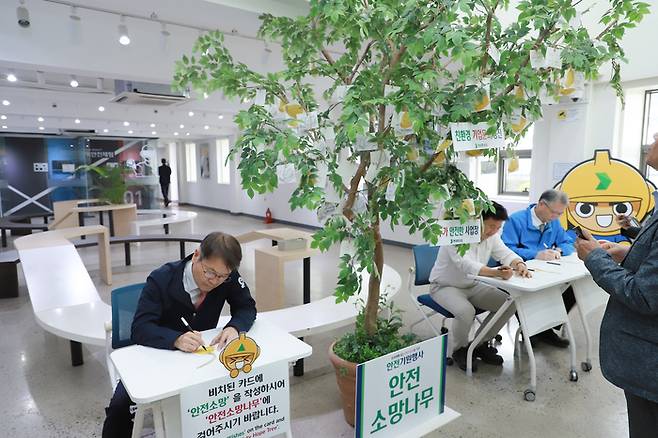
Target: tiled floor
41	395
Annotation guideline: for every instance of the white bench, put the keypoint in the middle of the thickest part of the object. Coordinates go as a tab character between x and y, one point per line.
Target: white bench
66	303
163	218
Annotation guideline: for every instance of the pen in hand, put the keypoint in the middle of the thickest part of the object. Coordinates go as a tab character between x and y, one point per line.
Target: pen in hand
187	326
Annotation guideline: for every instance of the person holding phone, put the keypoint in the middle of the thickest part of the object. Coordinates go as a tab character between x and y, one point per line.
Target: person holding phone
630	227
453	288
628	348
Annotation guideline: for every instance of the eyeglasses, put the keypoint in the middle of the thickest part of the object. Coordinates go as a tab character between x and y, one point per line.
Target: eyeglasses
212	275
555	212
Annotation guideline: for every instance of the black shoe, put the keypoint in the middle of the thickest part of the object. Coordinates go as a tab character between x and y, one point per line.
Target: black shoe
488	355
459	356
551	338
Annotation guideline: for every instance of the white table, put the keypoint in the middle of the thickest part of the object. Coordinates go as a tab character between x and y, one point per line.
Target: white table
157	377
539	305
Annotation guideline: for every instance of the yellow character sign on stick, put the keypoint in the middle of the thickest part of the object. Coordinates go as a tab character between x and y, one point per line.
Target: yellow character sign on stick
601	189
239	355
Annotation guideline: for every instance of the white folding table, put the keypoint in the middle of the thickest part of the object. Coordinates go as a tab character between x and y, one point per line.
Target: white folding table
539	305
156	377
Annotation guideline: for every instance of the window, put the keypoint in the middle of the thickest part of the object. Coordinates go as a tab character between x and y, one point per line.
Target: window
190	162
495	178
649	128
223	163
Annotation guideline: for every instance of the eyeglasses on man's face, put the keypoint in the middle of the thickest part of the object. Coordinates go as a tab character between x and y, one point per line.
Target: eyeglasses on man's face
213	275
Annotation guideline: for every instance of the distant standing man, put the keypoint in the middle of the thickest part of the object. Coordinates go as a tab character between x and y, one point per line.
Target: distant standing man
164	172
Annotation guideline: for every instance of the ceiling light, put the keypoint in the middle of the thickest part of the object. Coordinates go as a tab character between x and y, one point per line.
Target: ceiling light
181	126
220	117
191	113
23	15
3	117
74	82
130	131
40	119
4	126
175	133
6	102
11	77
126	123
206	127
124	39
41	128
164	32
205	95
153	133
152	125
105	130
77	121
187	133
101	108
74	14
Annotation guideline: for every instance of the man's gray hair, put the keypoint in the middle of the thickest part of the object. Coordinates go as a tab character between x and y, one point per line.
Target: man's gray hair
552	195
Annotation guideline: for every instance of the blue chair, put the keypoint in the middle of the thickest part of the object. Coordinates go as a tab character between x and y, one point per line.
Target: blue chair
117	335
424	259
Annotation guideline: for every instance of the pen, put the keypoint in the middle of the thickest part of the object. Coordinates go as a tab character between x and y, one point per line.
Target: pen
190	329
553	263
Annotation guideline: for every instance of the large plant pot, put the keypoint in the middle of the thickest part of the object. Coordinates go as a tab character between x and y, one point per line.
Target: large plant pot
346	379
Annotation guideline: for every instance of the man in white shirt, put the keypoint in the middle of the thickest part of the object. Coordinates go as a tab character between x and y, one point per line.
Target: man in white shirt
453	287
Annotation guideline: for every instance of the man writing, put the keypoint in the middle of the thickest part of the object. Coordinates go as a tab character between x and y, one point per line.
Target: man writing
536	233
196	289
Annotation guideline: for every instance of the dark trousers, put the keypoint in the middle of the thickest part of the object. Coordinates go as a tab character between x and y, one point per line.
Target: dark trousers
642	417
165	192
118	417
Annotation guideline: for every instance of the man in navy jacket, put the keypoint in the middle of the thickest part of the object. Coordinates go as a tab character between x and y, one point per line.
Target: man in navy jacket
196	289
536	233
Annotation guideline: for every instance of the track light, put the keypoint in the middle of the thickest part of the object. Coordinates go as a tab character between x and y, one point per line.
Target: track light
124	39
74	82
22	15
11	77
74	14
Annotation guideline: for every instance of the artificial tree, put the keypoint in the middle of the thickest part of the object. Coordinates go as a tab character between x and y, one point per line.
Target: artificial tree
363	108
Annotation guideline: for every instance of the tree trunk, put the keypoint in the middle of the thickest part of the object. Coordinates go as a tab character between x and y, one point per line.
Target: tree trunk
372	305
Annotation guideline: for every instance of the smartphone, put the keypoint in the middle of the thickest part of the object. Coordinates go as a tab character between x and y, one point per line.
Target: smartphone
579	232
634	222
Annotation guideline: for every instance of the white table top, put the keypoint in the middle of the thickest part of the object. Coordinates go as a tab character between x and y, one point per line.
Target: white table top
150	374
81	323
56	277
545	275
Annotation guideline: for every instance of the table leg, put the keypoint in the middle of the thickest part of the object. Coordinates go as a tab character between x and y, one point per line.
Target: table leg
81	222
100	218
158	421
76	354
573	373
4	238
9	280
110	215
126	251
307	280
298	368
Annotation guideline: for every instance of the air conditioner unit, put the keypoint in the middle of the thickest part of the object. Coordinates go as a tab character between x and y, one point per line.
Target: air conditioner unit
77	132
144	93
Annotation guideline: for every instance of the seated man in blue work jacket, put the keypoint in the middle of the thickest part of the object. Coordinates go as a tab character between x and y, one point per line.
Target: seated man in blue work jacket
196	289
536	233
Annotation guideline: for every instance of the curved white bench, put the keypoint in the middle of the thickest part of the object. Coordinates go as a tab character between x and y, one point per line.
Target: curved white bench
66	303
163	218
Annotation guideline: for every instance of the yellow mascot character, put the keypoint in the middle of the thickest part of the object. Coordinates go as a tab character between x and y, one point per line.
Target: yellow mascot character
601	189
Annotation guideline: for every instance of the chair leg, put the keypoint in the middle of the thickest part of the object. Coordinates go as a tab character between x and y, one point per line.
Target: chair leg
138	424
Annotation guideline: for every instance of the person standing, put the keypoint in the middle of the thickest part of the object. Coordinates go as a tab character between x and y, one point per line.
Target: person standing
628	347
164	172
